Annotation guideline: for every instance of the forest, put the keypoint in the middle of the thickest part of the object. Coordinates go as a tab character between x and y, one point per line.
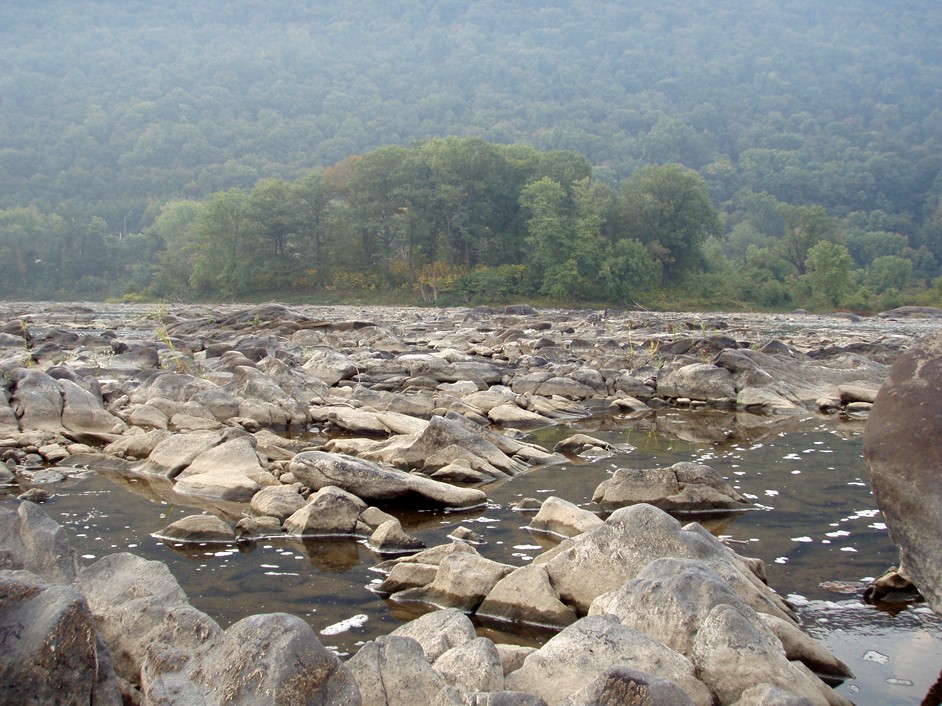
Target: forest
770	154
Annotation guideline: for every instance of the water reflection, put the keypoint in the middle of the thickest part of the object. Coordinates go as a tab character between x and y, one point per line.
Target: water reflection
816	527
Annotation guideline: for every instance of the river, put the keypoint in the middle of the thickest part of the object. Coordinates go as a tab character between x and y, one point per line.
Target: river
815	525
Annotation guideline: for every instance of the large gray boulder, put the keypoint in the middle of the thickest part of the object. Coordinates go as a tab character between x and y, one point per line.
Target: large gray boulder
376	483
732	655
696	381
563	518
462	581
685	487
393	671
904	455
472	666
273	658
438	631
37	400
50	652
31	540
591	646
620	686
526	596
603	559
229	471
329	511
136	603
279	501
684	592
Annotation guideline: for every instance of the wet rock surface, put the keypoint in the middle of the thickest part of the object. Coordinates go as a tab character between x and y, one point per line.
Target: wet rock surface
311	421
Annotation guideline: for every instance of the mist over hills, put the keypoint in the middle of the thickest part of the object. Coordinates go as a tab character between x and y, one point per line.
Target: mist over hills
116	107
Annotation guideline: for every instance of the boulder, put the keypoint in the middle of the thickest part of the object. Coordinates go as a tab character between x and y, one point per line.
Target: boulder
31	540
526	596
176	452
406	575
136	603
137	445
376	483
198	529
279	501
329	511
563	518
438	631
462	581
37	400
575	657
604	558
273	658
732	655
685	591
393	671
229	471
696	381
390	538
621	686
50	652
84	415
904	457
472	666
685	487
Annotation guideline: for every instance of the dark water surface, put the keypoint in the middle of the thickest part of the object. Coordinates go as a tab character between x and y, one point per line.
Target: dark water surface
816	527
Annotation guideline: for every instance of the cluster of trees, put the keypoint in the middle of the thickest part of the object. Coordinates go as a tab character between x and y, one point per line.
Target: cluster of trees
209	149
462	220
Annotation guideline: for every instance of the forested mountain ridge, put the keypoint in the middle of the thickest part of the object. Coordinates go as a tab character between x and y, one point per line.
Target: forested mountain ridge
111	109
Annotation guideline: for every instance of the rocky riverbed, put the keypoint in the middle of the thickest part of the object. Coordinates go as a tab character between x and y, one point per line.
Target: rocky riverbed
276	421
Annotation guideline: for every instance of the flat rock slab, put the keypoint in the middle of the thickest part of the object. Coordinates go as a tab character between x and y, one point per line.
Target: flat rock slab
376	483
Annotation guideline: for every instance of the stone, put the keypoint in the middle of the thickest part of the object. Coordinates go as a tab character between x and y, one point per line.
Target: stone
37	400
696	381
225	472
768	695
279	501
604	558
473	666
389	538
406	575
84	415
462	581
578	443
376	483
620	686
176	452
137	603
575	657
393	671
31	540
438	631
685	487
904	457
563	518
273	658
329	511
732	655
526	596
50	652
198	529
137	445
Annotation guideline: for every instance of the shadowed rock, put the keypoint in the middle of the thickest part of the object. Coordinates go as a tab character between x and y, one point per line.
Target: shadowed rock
904	454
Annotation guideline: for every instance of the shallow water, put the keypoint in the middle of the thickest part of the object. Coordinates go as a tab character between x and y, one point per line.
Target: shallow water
816	527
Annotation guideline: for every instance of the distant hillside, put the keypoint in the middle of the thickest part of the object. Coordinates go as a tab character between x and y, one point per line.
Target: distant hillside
117	107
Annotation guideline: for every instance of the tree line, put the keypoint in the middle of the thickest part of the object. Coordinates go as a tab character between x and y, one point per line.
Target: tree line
461	221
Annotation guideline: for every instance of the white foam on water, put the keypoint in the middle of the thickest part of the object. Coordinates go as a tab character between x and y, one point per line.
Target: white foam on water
345	625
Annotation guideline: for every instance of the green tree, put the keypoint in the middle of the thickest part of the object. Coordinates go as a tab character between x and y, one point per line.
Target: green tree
550	235
805	227
829	273
889	272
668	209
226	254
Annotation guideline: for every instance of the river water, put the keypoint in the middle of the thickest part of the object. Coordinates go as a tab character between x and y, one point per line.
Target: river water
816	526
